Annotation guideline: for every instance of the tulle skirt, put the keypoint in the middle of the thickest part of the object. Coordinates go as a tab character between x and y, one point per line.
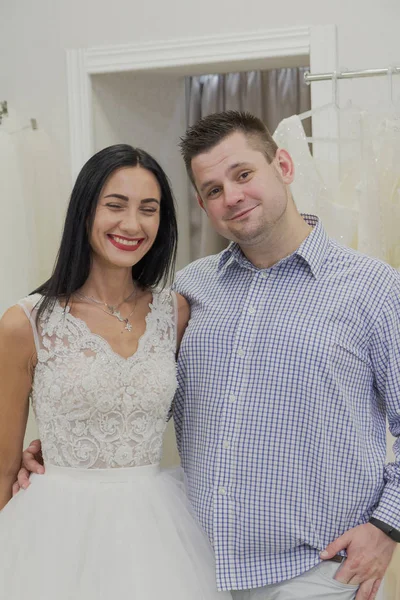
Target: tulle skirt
82	534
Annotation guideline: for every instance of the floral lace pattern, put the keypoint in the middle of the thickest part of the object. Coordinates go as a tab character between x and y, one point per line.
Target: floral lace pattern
93	407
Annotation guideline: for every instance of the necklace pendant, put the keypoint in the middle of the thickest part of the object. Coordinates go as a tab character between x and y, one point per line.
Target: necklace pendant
128	326
117	314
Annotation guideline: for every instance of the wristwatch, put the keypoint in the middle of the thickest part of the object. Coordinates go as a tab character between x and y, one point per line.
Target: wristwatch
393	533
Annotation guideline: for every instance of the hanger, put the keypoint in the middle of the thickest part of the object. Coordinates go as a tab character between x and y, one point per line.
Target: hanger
5	113
333	105
393	102
320	109
3	110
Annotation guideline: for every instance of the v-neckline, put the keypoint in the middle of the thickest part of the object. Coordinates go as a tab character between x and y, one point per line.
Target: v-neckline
103	340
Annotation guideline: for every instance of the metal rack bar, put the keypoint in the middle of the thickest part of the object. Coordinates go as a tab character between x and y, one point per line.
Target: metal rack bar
310	77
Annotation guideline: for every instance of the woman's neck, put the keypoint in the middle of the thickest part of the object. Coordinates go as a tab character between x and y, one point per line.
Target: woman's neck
109	285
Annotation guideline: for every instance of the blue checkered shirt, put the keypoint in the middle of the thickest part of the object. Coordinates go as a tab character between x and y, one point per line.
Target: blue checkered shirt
286	377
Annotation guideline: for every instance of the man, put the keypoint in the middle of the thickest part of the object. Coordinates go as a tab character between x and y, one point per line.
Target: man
287	370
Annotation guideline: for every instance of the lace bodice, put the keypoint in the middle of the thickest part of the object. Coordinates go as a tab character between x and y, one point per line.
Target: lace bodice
93	407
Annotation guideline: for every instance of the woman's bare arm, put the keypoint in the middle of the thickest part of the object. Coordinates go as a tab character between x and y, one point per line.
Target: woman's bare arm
17	359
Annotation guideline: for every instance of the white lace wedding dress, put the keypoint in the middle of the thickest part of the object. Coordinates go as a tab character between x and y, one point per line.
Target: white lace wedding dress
356	194
104	522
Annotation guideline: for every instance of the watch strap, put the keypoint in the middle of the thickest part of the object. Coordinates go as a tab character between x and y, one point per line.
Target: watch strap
393	533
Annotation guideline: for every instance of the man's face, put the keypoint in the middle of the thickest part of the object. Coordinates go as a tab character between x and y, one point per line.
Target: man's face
243	195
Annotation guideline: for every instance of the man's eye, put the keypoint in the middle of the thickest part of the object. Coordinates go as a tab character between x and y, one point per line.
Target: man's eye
214	192
244	175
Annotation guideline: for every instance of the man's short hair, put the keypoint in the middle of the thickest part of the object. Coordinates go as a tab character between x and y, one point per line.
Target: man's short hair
211	130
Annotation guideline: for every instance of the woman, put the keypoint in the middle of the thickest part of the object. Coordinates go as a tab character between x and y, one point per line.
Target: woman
94	348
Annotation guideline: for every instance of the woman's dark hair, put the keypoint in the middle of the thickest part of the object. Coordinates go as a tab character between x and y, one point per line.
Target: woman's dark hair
74	256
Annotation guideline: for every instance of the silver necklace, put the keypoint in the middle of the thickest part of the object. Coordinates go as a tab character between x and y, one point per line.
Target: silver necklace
111	309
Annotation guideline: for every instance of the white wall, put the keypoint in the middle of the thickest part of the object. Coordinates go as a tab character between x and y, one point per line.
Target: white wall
146	110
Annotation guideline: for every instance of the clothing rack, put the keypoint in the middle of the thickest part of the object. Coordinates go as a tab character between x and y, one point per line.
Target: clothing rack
4	113
310	77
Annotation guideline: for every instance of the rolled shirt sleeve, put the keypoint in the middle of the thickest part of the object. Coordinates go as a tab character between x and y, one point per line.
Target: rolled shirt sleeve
385	356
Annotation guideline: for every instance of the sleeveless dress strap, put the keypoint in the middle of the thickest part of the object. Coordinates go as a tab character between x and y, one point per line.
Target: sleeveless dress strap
30	305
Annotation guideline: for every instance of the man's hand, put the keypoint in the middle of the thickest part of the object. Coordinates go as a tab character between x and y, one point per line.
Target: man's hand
32	462
369	552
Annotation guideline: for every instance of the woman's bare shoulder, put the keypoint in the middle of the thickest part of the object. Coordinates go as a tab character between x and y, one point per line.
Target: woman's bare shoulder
16	330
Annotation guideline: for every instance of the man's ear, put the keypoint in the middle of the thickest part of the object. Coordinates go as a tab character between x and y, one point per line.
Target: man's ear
284	164
201	203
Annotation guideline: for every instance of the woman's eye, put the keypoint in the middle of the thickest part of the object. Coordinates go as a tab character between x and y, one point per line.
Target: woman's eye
113	205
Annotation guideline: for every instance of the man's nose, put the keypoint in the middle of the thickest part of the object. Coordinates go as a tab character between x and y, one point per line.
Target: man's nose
233	194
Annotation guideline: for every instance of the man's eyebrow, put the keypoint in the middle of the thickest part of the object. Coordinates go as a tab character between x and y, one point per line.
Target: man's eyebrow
230	168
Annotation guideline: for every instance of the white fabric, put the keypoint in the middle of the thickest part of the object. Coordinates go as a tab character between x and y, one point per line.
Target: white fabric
30	196
358	199
104	534
103	522
18	260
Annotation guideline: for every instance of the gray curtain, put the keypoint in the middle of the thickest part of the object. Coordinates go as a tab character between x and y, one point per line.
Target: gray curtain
270	95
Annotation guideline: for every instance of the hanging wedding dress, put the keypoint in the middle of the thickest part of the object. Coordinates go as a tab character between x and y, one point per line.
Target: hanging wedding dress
357	194
42	189
31	211
18	261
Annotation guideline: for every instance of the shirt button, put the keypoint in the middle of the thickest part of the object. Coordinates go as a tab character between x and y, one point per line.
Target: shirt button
232	398
241	352
252	310
222	491
226	444
264	274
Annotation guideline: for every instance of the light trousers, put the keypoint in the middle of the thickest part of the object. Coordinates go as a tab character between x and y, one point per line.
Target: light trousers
316	584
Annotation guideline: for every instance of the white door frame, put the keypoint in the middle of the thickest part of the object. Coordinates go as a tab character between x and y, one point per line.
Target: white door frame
263	48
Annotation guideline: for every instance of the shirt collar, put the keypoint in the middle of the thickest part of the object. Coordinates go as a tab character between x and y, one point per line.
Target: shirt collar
312	250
